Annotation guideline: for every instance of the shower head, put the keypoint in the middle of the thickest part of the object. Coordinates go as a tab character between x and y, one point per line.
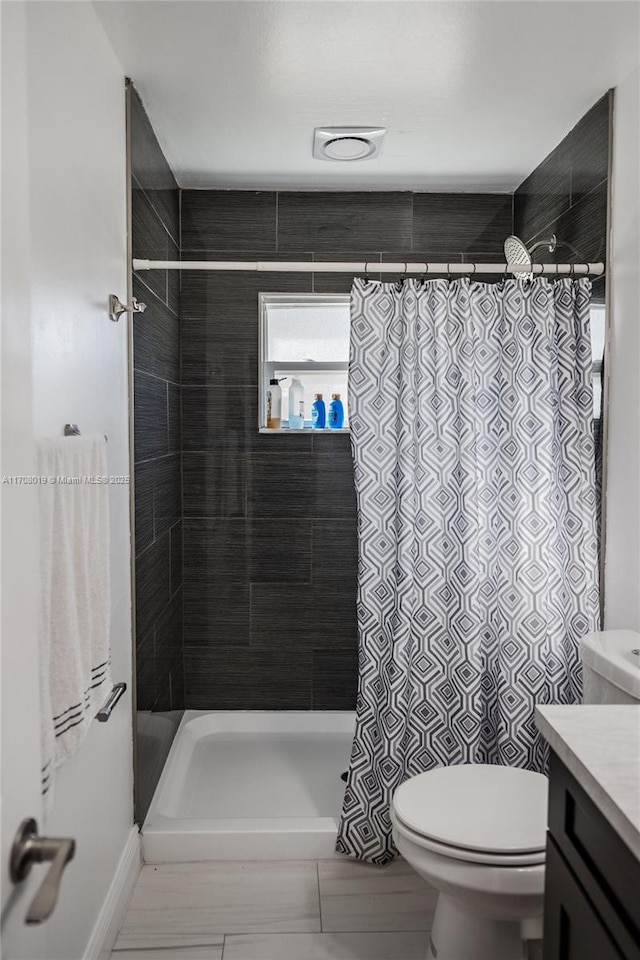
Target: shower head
516	252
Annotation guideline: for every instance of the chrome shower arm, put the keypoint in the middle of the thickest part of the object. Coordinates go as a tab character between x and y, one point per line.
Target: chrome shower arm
551	243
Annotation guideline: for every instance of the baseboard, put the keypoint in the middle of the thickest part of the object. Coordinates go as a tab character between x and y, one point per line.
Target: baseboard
115	903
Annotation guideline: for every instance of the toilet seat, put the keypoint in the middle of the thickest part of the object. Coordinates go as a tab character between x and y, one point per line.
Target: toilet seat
482	858
480	813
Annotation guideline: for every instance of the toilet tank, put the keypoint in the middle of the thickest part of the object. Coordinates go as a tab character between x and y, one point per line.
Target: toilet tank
611	667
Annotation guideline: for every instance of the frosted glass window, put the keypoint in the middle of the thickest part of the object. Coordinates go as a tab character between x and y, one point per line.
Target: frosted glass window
306	337
313	332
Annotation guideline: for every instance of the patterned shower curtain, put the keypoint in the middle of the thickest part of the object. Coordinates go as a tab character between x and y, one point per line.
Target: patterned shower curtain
471	423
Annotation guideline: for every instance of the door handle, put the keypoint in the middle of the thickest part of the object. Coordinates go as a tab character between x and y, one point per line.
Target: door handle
28	848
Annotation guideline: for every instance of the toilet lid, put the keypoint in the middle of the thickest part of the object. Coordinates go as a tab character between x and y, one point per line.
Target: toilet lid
477	807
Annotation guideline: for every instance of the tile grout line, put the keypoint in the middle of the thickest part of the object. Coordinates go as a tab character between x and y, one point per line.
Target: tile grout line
168	946
268	933
319	896
158	539
412	223
551	224
139	276
161	302
158	215
155	376
166	272
168	417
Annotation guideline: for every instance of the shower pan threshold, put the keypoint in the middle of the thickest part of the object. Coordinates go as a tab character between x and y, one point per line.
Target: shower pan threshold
250	785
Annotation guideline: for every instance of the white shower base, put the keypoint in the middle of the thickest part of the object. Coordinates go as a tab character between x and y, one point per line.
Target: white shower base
250	786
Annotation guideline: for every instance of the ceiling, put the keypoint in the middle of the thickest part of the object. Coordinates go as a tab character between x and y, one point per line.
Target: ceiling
473	95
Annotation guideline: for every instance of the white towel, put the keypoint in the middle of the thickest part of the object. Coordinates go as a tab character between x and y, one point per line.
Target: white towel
75	598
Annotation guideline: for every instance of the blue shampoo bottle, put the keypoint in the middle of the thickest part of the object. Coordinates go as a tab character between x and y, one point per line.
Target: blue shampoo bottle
318	413
336	412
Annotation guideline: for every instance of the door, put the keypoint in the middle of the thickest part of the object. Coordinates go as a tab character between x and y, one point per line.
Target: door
20	785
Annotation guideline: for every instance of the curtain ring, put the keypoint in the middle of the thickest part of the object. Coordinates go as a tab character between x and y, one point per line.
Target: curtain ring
366	270
426	272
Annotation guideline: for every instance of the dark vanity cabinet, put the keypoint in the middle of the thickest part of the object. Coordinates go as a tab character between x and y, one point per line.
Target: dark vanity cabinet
592	889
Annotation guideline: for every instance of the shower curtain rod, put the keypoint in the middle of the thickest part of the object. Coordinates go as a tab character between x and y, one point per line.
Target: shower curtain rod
371	266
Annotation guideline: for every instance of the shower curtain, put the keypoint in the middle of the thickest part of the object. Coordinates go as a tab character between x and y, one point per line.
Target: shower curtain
471	427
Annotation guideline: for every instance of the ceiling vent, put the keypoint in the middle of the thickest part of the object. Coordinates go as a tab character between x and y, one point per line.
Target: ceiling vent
347	143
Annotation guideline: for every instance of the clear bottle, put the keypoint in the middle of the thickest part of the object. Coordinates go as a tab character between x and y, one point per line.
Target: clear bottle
336	412
274	405
318	413
296	405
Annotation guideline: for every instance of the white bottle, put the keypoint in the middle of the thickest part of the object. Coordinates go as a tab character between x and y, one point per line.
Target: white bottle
296	405
274	405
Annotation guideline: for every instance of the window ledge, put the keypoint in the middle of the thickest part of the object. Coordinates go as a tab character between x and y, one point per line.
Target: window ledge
305	430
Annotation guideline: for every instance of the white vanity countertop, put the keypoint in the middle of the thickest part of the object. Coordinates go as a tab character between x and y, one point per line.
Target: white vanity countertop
600	745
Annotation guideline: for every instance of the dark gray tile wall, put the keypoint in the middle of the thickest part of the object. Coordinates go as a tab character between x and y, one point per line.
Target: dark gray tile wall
270	546
337	221
568	195
157	447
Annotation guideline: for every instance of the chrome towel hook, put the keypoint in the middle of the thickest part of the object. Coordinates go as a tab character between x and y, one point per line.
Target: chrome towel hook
117	308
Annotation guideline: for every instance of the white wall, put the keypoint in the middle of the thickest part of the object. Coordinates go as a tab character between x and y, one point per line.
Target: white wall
77	179
21	786
622	558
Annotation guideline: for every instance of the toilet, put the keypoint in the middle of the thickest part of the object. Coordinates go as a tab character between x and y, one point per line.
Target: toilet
477	832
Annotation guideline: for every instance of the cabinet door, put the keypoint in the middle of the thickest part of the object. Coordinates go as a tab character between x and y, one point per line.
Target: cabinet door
604	866
572	928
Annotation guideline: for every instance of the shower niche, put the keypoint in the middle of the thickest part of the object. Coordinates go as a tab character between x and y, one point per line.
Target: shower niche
304	346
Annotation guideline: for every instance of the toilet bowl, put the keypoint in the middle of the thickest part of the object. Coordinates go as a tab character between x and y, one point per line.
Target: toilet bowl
477	833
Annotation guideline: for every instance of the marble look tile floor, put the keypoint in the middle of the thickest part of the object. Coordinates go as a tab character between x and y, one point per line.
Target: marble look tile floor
277	910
